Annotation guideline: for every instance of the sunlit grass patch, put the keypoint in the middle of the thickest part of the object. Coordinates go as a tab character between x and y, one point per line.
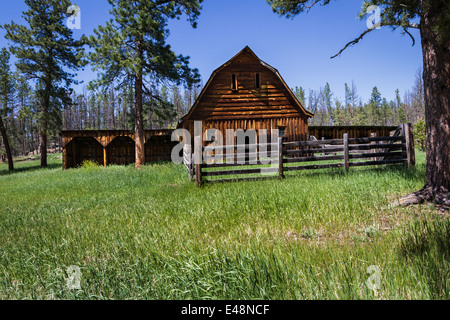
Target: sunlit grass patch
152	234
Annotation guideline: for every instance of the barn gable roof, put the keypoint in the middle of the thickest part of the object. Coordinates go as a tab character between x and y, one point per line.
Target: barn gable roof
249	51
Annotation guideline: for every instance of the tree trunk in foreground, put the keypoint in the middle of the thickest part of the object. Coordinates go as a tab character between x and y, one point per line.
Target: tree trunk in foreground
6	143
139	125
436	76
43	149
44	130
139	121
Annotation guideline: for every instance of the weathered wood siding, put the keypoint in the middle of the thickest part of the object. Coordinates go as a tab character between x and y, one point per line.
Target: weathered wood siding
337	132
264	104
220	102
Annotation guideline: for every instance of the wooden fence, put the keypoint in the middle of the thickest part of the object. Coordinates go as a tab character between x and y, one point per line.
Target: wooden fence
273	160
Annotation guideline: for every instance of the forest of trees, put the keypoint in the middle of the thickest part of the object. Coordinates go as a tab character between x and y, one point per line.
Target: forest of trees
112	109
329	110
89	110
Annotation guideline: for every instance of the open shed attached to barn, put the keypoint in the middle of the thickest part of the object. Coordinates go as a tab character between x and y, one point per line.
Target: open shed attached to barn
247	93
107	147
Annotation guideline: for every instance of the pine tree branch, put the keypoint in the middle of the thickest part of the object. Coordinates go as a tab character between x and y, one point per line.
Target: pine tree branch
395	25
353	42
405	30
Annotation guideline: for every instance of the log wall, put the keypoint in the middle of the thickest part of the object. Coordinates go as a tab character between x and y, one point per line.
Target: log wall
337	132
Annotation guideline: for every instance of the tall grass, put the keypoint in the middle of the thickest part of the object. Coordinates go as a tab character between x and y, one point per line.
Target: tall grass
152	234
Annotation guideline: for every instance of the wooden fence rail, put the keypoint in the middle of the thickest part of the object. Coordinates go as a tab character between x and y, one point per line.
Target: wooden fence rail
273	160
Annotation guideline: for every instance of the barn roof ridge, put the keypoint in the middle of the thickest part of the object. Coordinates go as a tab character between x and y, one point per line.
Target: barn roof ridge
268	66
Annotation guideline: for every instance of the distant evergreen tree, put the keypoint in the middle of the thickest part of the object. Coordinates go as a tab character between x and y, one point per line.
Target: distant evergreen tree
328	103
420	134
300	94
46	50
313	106
373	108
385	112
400	110
340	118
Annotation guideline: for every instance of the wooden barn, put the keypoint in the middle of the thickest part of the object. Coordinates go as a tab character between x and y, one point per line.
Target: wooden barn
113	147
247	93
244	93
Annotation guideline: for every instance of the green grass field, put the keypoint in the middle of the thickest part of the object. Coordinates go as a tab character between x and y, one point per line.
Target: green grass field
152	234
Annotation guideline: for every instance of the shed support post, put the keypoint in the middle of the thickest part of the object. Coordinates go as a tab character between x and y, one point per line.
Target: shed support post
105	163
64	158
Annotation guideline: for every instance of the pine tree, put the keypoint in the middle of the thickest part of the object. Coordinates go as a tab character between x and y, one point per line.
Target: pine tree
24	96
313	106
300	94
385	112
132	49
420	134
400	109
432	17
327	100
45	50
6	96
418	98
339	113
373	107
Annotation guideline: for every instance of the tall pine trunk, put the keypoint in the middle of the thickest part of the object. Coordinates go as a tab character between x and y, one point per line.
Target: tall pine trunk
44	127
436	76
43	145
139	125
6	144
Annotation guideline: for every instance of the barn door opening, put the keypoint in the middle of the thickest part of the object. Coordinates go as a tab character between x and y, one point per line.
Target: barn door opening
121	151
83	149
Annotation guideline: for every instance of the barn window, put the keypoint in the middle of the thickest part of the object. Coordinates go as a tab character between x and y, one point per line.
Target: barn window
234	85
257	81
282	131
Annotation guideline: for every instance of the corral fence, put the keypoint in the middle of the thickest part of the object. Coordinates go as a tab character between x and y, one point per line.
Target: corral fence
273	160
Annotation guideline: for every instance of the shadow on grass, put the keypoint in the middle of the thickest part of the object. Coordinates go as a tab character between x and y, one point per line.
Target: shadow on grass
396	171
28	167
426	248
400	170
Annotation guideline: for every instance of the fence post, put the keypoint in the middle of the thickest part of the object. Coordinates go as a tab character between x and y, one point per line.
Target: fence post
198	148
373	135
346	153
407	129
280	157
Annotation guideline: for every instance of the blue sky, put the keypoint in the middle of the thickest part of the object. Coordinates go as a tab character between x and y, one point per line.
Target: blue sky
299	48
